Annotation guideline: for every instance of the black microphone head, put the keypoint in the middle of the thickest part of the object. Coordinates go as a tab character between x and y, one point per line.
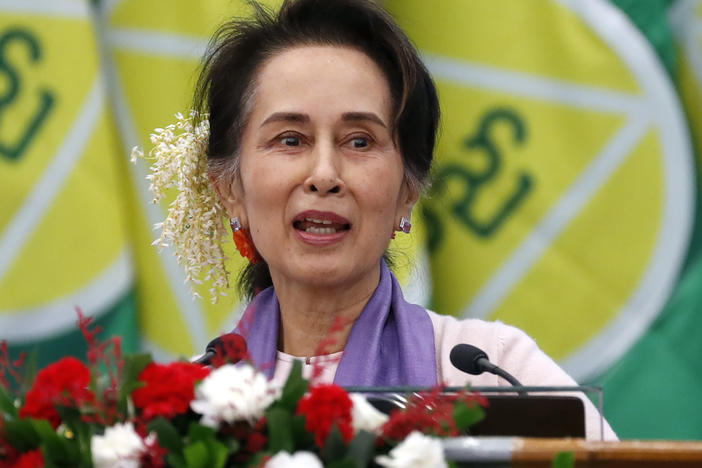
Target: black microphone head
465	358
226	339
230	346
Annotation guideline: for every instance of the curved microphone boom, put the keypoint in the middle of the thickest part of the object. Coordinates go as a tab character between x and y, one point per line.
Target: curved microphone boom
474	361
230	345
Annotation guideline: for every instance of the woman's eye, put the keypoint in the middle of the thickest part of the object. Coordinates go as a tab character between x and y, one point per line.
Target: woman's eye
290	141
360	143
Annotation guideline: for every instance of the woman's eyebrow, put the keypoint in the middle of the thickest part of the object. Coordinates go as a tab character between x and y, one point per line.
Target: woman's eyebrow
286	117
360	116
304	118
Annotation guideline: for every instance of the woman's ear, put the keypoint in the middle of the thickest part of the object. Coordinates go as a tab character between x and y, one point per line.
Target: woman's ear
409	194
230	195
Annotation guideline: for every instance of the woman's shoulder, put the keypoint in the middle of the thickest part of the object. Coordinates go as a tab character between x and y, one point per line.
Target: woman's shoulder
449	322
511	349
507	346
491	336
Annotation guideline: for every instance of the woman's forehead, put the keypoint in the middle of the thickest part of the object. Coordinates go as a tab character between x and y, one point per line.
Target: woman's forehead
321	82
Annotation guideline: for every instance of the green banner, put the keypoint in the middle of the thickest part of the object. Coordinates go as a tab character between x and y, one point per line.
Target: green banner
652	391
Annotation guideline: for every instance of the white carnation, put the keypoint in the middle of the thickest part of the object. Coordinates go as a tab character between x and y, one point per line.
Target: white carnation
296	460
119	447
416	451
365	416
233	393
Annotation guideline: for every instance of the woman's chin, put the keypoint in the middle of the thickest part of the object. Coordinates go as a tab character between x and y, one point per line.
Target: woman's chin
326	271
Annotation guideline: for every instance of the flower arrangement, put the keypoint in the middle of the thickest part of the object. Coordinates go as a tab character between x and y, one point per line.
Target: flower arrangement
127	411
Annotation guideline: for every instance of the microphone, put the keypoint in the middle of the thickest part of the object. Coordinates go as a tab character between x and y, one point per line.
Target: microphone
230	346
474	361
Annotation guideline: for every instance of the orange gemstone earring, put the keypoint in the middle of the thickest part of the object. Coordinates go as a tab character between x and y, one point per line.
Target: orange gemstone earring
242	241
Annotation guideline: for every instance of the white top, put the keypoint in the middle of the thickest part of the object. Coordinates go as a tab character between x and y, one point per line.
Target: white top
326	363
507	346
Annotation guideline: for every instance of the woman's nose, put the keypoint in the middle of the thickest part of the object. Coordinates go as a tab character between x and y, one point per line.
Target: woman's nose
325	174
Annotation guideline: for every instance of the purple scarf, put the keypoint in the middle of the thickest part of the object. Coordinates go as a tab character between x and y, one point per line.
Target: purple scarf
391	343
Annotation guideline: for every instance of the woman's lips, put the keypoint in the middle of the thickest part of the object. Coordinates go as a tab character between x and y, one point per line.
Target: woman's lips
320	227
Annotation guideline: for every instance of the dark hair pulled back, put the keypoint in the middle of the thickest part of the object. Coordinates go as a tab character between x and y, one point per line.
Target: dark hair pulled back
239	49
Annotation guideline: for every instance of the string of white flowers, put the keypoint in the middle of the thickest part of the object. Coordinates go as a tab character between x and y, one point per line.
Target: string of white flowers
194	225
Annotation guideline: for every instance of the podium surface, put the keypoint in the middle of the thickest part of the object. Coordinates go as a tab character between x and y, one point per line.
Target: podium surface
539	452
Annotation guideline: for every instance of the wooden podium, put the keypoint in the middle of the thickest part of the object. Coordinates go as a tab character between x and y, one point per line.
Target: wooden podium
528	452
528	412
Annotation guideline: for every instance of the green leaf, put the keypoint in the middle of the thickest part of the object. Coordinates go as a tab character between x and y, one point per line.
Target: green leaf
334	447
198	432
344	463
563	460
49	463
280	437
56	447
175	461
217	452
361	448
466	416
301	436
168	437
294	388
22	435
196	455
71	417
133	365
7	403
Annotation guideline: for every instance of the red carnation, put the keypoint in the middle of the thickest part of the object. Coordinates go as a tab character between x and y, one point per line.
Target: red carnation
33	459
402	423
252	439
255	442
65	383
324	407
429	413
154	455
169	388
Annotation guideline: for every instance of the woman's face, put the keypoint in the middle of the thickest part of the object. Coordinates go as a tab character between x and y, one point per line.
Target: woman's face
321	184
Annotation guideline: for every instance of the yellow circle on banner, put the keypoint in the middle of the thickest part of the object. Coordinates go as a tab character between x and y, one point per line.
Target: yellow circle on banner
62	234
562	194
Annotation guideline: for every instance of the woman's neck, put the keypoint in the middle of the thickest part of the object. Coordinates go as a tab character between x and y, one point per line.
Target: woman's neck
316	320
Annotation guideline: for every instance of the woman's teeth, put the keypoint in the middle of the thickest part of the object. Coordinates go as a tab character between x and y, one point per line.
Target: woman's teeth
320	226
320	230
318	221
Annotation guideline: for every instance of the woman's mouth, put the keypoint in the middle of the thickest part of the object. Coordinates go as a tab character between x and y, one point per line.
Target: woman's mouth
320	226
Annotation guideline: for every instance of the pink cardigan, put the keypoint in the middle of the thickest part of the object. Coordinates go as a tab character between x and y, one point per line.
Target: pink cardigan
511	349
506	346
